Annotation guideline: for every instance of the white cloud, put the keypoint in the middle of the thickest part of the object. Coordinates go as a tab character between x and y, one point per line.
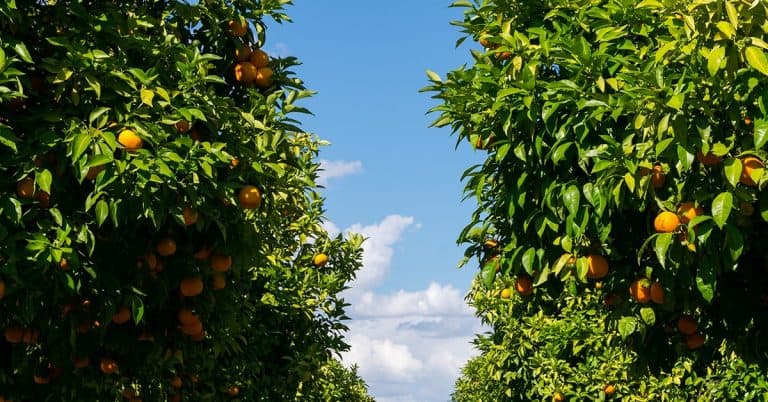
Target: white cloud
436	300
378	248
384	359
336	169
279	50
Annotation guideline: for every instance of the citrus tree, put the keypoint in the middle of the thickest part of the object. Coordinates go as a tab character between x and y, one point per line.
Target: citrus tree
160	221
622	202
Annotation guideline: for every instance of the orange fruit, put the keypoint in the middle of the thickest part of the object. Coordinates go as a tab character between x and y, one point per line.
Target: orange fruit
30	336
192	328
491	244
198	337
186	316
14	334
611	300
108	366
122	316
151	260
130	140
249	197
2	289
233	391
245	72
191	286
747	120
320	260
748	165
190	216
747	209
259	58
174	398
93	172
506	293
503	56
26	188
558	397
598	267
694	341
524	285
218	281
82	362
238	27
233	164
657	176
688	211
43	198
166	247
687	325
176	382
182	126
640	291
40	380
657	293
203	253
263	77
709	159
221	262
128	393
243	53
195	134
666	222
609	389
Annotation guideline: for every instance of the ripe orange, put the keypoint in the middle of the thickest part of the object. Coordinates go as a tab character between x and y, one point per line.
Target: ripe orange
218	281
320	260
2	289
611	300
598	267
186	316
122	316
128	393
657	293
558	397
490	244
250	197
30	336
182	126
190	216
26	188
191	286
259	58
609	389
93	172
176	382
657	176
238	27
174	398
687	325
81	362
14	334
108	366
709	159
688	211
43	198
748	165
130	140
203	253
524	285
666	222
694	341
503	56
640	290
243	53
41	380
263	77
192	328
166	247
151	260
245	72
506	293
233	391
221	262
198	337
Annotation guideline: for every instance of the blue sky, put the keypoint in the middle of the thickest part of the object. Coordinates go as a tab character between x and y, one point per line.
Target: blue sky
392	178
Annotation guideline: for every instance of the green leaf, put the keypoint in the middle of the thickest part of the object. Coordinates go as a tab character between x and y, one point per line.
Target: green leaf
734	241
137	309
648	316
661	246
7	138
721	208
571	199
433	76
582	268
732	168
529	257
676	101
715	59
96	113
102	211
21	50
488	273
629	180
727	29
761	132
705	279
44	180
756	58
147	96
627	326
79	145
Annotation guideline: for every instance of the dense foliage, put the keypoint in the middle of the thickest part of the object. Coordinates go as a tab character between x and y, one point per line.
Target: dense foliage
622	203
160	222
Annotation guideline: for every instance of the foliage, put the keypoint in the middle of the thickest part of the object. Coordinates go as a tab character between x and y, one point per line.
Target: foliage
127	144
335	382
597	116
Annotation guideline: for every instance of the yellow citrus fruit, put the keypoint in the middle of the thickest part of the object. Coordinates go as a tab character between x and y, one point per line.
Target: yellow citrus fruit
609	389
245	72
238	27
259	58
688	211
320	260
709	159
748	165
657	293
263	77
26	188
558	397
190	216
657	176
666	222
233	391
598	267
243	53
640	291
506	293
130	140
249	197
524	285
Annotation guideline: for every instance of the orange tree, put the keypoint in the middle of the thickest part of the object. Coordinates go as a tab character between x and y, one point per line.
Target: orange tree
160	225
622	201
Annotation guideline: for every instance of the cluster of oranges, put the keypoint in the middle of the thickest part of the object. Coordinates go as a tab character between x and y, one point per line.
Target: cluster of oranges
251	64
